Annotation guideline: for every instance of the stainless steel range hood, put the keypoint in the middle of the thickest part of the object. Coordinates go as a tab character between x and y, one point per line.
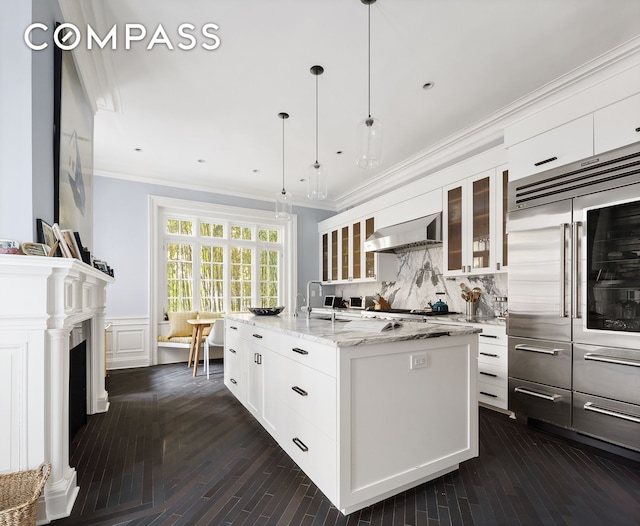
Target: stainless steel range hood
413	234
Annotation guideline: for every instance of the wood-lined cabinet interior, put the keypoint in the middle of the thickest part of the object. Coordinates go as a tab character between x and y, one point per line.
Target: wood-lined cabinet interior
474	232
344	259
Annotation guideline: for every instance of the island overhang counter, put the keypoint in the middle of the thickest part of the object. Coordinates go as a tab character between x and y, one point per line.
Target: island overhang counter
364	414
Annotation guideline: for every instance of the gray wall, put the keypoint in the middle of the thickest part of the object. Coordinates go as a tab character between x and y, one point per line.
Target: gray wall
120	237
26	125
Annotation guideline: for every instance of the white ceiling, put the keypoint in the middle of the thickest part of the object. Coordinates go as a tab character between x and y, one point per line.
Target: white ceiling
221	106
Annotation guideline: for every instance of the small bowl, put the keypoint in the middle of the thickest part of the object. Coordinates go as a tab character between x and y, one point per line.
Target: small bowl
265	311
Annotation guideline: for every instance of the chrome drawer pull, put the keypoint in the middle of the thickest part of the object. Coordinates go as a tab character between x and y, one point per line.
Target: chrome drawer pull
550	159
257	336
551	398
299	390
489	354
612	359
299	351
300	444
233	381
489	374
588	406
487	336
541	350
488	394
232	350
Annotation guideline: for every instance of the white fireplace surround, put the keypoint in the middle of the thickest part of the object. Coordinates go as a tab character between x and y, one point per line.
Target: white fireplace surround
41	300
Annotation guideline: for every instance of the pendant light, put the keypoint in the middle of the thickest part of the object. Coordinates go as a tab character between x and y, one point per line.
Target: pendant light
370	129
284	207
316	182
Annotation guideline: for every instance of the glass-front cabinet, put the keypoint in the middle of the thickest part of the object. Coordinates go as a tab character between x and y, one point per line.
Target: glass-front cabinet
474	234
344	259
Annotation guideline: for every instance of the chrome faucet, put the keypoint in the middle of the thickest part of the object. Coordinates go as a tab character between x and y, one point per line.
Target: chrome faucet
295	313
319	283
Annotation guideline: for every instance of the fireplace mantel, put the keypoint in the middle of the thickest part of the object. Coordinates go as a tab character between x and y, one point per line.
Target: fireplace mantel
41	300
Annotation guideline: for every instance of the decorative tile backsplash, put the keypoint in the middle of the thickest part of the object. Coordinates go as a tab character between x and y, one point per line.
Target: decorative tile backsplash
420	277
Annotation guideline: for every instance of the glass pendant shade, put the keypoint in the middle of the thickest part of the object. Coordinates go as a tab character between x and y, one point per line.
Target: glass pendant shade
284	205
370	143
316	183
284	200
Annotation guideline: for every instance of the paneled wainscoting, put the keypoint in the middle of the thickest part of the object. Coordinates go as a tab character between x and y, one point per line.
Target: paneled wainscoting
179	450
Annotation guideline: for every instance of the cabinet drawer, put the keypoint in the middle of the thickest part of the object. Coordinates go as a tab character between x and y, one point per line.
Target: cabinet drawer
542	402
607	371
492	354
233	373
562	145
493	374
615	422
259	336
310	393
493	335
232	338
493	395
315	355
540	361
311	449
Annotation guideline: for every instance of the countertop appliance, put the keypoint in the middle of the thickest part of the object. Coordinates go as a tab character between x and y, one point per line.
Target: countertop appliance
333	302
361	302
574	271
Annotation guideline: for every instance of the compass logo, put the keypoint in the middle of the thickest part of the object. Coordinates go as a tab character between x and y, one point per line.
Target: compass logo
68	36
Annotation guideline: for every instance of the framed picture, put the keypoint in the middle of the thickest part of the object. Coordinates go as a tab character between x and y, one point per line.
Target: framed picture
35	249
73	149
71	242
62	243
46	236
101	265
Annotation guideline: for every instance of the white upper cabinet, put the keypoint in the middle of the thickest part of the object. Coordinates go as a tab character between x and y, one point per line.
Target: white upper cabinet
343	258
562	145
617	125
474	224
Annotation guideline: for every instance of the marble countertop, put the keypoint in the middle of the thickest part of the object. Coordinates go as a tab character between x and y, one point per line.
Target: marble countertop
339	334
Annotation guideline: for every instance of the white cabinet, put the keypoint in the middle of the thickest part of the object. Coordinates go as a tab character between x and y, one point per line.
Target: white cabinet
344	260
617	125
493	374
327	402
474	232
233	367
562	145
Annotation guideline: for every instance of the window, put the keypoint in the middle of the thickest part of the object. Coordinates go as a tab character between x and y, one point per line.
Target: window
224	260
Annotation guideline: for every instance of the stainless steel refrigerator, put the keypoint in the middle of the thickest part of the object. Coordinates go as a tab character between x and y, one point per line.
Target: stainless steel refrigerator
574	296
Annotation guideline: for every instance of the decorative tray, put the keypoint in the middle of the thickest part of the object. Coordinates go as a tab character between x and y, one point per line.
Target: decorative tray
266	311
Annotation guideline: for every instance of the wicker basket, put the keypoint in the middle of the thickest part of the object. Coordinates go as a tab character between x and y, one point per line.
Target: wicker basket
19	493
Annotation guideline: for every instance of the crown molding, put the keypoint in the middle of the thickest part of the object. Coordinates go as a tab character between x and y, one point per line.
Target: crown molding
95	67
489	132
215	189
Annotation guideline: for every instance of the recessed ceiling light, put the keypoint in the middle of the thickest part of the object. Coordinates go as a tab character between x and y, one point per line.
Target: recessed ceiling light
202	160
428	85
302	180
339	152
256	171
138	149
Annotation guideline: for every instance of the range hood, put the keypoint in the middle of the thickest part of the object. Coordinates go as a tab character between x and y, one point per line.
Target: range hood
413	234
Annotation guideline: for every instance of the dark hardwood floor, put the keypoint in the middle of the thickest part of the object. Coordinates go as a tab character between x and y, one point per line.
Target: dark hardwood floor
182	451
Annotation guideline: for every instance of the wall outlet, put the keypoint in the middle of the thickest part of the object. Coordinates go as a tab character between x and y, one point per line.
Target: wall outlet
418	361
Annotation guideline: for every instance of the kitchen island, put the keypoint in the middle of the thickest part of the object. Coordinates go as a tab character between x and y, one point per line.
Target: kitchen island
364	414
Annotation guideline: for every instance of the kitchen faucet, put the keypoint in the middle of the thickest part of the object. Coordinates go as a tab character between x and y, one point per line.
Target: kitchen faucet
297	308
319	283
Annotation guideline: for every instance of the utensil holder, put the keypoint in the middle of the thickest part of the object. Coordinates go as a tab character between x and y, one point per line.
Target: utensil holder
471	308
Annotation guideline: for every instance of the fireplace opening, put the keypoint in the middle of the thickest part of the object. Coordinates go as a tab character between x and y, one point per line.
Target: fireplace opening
77	388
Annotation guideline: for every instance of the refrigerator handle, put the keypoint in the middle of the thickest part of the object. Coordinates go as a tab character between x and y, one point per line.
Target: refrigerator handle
563	270
575	277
